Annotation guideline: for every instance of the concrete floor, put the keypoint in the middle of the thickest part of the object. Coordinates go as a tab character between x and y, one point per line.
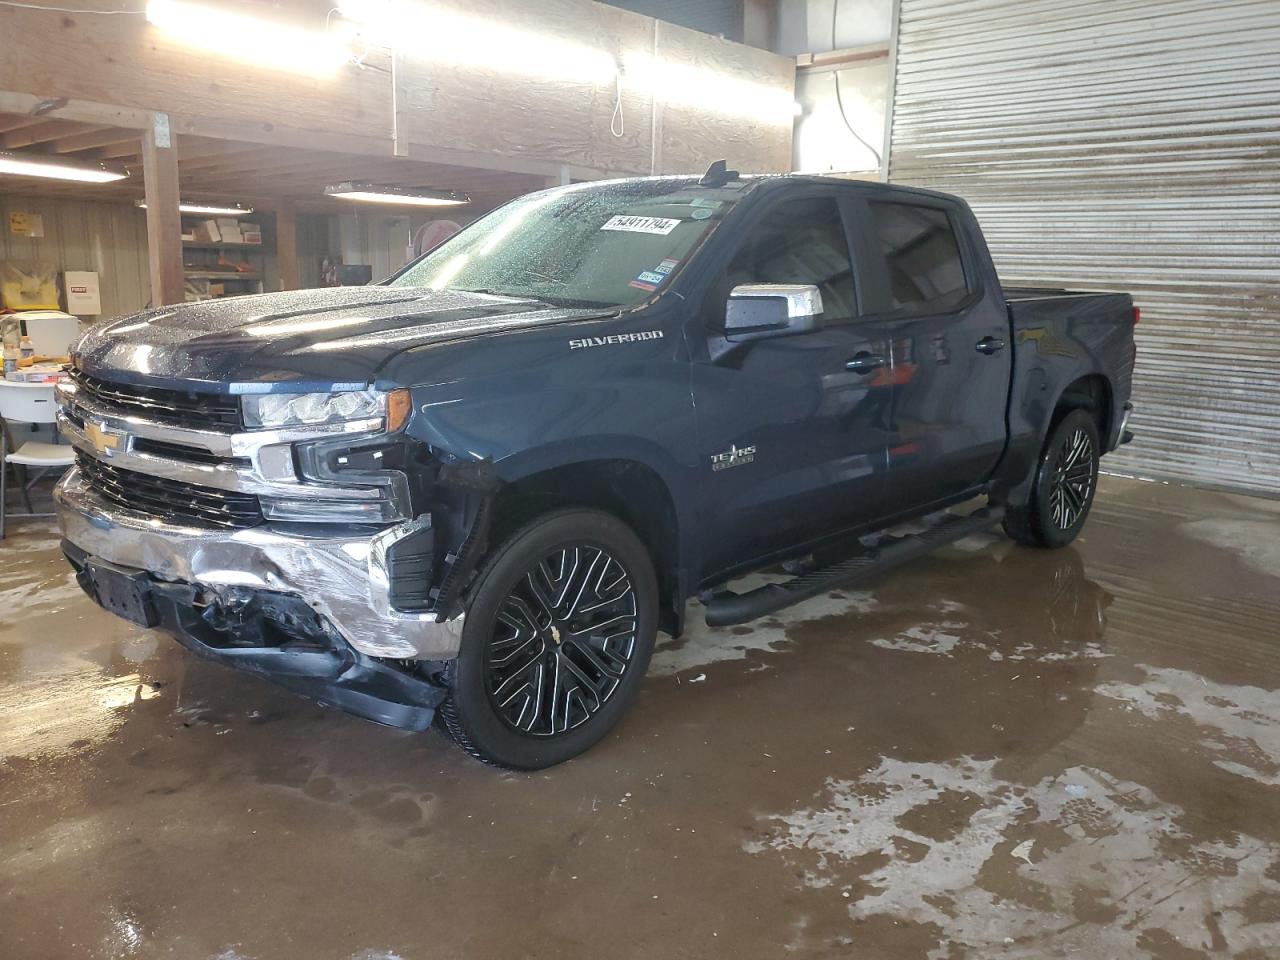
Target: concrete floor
997	753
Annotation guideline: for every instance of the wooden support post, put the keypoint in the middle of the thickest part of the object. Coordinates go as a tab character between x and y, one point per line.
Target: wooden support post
164	222
287	246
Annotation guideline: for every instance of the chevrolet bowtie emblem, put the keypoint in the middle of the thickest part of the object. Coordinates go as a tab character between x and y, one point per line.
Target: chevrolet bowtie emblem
102	441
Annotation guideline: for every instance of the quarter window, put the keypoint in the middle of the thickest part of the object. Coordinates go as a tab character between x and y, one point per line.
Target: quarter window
926	274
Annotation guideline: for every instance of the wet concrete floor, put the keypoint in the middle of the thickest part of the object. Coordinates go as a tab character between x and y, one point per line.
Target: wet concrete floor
996	753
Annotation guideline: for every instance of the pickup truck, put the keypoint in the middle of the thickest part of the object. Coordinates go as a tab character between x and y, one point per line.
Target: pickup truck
473	493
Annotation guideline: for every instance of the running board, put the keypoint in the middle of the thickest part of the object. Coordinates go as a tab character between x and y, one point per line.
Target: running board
727	608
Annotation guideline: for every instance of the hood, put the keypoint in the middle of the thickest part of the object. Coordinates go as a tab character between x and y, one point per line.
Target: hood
335	338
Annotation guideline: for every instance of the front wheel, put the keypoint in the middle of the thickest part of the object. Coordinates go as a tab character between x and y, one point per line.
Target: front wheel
556	641
1065	482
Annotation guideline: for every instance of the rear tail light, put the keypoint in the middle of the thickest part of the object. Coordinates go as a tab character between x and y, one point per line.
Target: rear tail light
1137	315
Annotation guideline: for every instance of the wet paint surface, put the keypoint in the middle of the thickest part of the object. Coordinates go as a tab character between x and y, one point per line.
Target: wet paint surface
995	753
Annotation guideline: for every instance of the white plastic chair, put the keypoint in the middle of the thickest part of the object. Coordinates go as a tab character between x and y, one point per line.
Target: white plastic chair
28	403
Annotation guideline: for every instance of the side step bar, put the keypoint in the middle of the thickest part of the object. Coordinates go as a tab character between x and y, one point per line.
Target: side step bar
727	608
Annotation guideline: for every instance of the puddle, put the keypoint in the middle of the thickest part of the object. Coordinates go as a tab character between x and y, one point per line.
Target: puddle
1256	541
1238	725
1076	864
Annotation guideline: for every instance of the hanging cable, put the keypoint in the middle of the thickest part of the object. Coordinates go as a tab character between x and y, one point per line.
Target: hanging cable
617	123
835	10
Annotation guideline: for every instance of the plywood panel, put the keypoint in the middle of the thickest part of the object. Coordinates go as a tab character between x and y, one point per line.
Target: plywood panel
741	122
461	114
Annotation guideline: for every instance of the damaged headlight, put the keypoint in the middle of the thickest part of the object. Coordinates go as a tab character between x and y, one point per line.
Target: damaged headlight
309	409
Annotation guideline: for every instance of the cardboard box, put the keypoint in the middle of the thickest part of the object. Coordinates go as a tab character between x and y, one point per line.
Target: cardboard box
206	231
84	296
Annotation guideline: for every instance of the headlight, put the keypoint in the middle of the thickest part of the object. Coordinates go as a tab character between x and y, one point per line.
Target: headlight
299	409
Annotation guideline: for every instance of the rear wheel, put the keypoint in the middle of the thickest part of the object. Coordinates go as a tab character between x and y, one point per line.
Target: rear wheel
556	641
1065	482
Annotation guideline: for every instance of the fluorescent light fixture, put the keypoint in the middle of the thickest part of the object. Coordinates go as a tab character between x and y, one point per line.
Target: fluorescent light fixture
426	31
686	85
373	193
52	168
208	209
263	43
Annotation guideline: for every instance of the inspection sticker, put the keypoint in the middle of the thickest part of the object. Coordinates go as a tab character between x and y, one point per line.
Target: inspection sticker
648	280
666	266
659	225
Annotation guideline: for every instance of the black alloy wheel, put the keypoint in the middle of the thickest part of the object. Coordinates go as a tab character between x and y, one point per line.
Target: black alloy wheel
1073	479
560	624
1064	485
564	638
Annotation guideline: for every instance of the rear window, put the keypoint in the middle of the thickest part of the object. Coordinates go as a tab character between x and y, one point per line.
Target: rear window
922	256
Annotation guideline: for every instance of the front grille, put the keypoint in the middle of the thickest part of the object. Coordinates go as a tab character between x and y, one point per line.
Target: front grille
182	408
173	501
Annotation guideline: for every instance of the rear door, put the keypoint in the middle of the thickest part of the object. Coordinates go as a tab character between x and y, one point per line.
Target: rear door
951	361
792	430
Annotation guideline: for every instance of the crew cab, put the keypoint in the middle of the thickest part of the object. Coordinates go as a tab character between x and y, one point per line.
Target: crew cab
474	492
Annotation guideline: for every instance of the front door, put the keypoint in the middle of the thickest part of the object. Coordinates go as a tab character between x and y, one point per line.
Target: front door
792	430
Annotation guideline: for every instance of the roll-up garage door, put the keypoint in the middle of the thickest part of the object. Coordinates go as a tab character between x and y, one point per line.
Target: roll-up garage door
1124	145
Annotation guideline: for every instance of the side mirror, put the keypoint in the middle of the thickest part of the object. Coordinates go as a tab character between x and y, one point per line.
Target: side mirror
756	311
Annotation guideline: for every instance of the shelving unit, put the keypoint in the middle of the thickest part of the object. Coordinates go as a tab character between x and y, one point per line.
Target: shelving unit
209	266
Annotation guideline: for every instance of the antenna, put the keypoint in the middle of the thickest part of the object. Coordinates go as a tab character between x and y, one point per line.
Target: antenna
717	175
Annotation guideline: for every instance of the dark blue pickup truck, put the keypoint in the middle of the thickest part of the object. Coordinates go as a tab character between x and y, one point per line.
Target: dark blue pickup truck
475	492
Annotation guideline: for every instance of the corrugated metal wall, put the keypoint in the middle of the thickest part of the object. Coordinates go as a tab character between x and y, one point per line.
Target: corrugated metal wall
109	238
1127	145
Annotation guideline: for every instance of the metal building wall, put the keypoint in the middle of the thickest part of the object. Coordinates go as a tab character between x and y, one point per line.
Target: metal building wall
1127	145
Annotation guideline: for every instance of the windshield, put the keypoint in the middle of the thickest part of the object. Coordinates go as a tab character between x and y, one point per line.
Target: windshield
590	245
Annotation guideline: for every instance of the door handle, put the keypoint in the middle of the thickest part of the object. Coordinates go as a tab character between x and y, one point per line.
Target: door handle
864	362
989	345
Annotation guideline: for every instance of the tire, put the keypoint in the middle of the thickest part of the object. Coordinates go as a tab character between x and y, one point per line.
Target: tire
1064	486
556	641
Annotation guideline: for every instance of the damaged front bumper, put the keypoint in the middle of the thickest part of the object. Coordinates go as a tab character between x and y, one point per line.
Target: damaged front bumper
277	637
343	579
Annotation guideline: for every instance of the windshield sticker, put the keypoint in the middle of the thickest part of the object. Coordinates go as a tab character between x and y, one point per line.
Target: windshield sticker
650	279
659	225
666	266
702	202
702	213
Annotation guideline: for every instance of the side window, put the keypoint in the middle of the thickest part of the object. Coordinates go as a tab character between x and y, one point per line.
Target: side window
800	241
926	274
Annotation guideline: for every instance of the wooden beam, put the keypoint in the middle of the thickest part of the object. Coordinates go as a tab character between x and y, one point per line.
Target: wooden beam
116	151
83	111
42	133
164	222
840	58
11	122
92	139
287	245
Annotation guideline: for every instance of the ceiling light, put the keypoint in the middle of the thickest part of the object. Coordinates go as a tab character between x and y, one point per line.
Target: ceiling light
52	168
208	209
372	193
254	40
